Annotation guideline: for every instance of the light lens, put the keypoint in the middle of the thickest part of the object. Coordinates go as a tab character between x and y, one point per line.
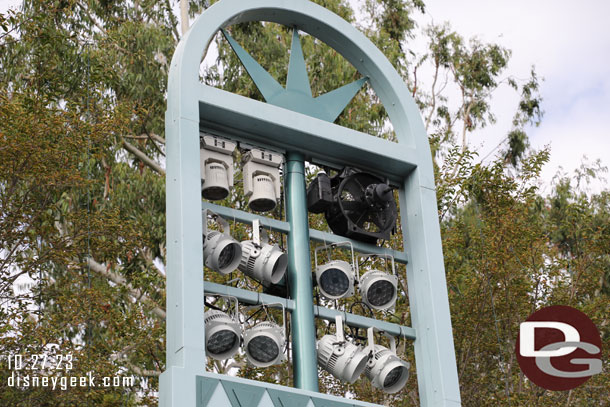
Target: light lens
393	377
263	349
380	293
226	256
221	342
334	282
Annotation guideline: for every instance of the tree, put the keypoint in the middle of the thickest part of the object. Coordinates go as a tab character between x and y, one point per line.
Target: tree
82	195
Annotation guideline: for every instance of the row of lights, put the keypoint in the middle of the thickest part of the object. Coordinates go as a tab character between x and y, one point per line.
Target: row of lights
267	264
345	360
262	343
256	258
261	173
336	279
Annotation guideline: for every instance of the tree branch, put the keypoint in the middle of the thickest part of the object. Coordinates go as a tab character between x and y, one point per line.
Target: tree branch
143	157
120	280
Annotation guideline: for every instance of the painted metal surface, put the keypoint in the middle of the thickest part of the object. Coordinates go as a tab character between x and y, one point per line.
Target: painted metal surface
305	367
193	105
315	235
358	321
221	390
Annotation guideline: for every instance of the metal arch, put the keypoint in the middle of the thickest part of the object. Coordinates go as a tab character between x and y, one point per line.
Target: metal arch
409	162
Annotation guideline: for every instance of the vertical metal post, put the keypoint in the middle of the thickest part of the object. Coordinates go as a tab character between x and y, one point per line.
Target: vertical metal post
305	368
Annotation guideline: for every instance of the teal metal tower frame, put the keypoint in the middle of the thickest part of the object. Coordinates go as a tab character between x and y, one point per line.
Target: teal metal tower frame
192	105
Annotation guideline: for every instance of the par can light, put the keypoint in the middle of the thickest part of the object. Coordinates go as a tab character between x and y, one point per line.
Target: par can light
263	344
222	253
344	360
265	263
378	289
335	279
222	335
386	371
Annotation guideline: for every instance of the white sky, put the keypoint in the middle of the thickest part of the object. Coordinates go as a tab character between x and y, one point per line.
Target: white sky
568	42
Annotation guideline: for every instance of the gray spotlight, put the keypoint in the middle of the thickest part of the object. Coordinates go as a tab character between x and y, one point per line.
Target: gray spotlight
221	252
260	260
385	369
344	360
222	335
262	179
264	344
379	289
216	155
264	263
335	278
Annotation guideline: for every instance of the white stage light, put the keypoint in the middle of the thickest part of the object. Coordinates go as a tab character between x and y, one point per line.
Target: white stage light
385	369
264	344
344	360
335	279
222	335
262	179
221	252
379	289
216	155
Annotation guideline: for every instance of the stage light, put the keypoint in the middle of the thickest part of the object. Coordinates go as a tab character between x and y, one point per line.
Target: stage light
264	263
260	260
216	155
335	279
262	179
222	335
264	344
221	252
344	360
385	369
379	289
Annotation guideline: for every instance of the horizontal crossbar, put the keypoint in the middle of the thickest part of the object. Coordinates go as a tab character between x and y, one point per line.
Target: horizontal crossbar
357	321
314	234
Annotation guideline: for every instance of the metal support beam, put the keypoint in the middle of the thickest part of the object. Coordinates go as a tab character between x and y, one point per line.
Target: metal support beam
305	368
316	235
357	321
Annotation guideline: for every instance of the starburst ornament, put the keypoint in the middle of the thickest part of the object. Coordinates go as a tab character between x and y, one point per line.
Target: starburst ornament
297	94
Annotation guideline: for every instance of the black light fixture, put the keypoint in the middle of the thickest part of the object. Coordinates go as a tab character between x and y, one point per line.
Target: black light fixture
335	279
221	252
378	289
356	204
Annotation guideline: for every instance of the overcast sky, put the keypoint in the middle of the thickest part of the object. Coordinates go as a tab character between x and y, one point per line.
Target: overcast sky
568	42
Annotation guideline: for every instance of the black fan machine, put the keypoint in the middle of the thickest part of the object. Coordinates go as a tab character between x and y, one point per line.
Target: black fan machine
356	204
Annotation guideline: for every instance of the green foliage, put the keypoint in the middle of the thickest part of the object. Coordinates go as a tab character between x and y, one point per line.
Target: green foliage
84	218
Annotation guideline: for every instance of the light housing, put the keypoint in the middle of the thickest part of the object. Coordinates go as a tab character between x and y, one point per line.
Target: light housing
216	161
264	344
264	262
335	279
222	335
344	360
221	252
262	179
385	369
378	289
